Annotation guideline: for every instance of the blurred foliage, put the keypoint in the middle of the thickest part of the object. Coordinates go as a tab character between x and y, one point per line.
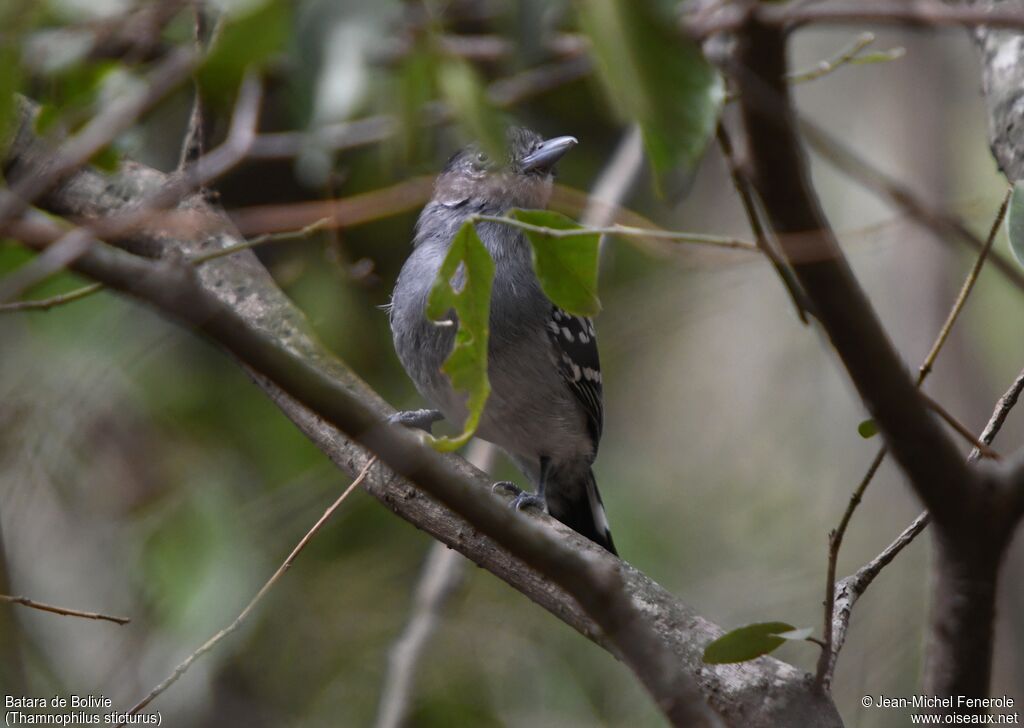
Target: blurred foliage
141	472
656	78
251	33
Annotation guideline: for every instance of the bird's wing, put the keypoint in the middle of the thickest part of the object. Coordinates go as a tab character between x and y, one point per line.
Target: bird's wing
576	353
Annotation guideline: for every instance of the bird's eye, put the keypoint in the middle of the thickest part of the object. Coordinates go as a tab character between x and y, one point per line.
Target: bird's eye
481	158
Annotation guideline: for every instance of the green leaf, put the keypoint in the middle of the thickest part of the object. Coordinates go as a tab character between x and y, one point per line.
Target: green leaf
462	88
746	643
566	266
655	77
250	37
463	286
1015	222
867	429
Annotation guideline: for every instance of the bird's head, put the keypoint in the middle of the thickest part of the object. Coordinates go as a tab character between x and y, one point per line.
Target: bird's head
523	178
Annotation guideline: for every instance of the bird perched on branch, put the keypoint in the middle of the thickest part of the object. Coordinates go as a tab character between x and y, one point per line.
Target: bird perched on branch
545	406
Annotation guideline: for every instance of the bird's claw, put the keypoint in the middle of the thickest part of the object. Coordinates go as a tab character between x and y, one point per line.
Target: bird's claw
506	487
527	500
521	499
421	419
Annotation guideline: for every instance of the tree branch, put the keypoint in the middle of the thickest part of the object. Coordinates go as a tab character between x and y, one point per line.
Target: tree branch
780	176
920	13
64	611
827	661
233	301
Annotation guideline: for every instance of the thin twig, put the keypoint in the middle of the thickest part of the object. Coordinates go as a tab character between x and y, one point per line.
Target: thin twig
623	231
262	240
845	57
1002	409
32	604
826	663
928	14
961	429
212	642
829	65
742	185
849	590
965	289
45	304
941	223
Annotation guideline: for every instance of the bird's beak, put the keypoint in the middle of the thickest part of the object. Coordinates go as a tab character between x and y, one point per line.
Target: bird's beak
548	153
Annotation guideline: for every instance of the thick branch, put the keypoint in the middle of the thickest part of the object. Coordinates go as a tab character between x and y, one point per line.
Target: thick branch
780	176
234	301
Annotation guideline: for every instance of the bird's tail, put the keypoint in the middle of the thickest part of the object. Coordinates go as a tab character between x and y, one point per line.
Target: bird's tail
583	512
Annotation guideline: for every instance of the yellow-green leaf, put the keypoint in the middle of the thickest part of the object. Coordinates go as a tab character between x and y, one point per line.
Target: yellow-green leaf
867	429
461	295
566	266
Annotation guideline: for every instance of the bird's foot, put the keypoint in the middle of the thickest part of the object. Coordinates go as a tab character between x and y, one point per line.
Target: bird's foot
506	487
528	500
421	419
521	499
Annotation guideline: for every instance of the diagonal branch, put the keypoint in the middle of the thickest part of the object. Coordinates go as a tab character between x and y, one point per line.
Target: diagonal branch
234	301
64	611
779	173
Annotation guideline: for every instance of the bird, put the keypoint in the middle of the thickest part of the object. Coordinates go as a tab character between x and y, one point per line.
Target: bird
545	408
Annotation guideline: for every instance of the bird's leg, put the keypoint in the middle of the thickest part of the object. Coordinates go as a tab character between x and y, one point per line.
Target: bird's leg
421	419
534	500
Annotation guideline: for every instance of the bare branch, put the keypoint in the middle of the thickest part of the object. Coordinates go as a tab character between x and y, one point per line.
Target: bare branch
826	664
927	13
742	185
45	304
605	599
32	604
847	591
942	224
779	174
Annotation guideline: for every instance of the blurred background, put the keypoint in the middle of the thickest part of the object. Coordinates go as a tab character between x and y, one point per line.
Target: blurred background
142	473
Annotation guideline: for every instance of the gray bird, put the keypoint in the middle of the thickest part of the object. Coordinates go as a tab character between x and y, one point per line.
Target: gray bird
545	406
